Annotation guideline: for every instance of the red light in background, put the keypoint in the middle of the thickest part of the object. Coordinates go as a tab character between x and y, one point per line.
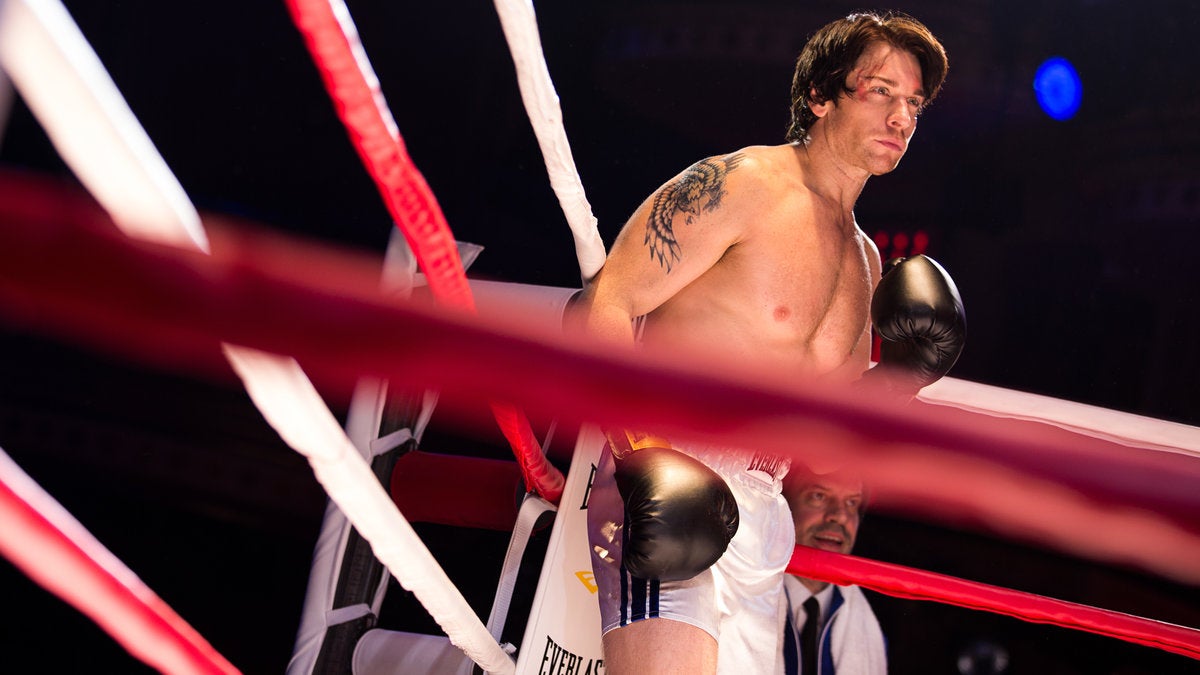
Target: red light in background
900	244
920	242
881	240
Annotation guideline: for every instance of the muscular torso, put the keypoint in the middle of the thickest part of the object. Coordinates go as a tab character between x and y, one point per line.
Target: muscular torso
792	289
802	304
795	291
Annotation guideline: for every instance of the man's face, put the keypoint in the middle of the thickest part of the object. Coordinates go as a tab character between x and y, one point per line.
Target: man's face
870	126
826	511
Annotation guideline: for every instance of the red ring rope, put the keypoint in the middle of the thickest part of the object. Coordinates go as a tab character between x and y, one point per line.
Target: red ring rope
66	269
411	202
149	297
53	549
914	584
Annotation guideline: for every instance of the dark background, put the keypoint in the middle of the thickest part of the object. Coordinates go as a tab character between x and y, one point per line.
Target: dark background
1073	244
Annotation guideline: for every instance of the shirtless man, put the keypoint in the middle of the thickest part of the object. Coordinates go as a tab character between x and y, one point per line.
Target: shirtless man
756	257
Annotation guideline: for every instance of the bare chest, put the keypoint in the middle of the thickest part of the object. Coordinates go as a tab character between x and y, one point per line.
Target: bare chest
797	297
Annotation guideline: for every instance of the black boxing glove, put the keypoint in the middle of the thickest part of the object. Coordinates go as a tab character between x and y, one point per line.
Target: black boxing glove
679	514
918	314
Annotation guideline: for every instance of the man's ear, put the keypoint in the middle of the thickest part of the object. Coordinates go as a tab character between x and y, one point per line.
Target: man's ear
818	109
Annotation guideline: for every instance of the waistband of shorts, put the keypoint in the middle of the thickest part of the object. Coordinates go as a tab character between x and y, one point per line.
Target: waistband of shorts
731	461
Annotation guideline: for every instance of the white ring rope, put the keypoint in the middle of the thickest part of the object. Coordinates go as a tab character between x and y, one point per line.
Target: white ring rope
63	82
67	88
541	104
362	498
1106	424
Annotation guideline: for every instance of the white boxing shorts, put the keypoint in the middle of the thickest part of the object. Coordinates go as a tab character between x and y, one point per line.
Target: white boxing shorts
739	600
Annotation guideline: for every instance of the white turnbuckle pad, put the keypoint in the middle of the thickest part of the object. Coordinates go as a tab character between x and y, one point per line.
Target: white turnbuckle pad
563	634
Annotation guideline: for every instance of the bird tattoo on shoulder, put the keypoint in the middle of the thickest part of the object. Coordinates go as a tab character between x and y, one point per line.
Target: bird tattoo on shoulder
696	191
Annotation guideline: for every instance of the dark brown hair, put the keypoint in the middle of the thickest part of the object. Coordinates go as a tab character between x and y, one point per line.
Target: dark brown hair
832	52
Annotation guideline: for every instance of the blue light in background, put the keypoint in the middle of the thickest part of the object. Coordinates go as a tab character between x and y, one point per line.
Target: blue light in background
1058	88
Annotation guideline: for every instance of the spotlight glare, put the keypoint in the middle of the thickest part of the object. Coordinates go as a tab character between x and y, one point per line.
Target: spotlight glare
1058	88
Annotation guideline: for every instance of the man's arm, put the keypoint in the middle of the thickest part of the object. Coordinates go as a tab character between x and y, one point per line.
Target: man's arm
679	514
674	237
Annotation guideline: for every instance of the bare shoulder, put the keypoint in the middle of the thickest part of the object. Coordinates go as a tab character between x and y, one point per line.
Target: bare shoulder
749	162
712	205
768	156
760	163
714	190
746	177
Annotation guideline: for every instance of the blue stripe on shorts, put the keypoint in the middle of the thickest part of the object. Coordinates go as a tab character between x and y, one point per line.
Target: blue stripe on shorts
639	598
